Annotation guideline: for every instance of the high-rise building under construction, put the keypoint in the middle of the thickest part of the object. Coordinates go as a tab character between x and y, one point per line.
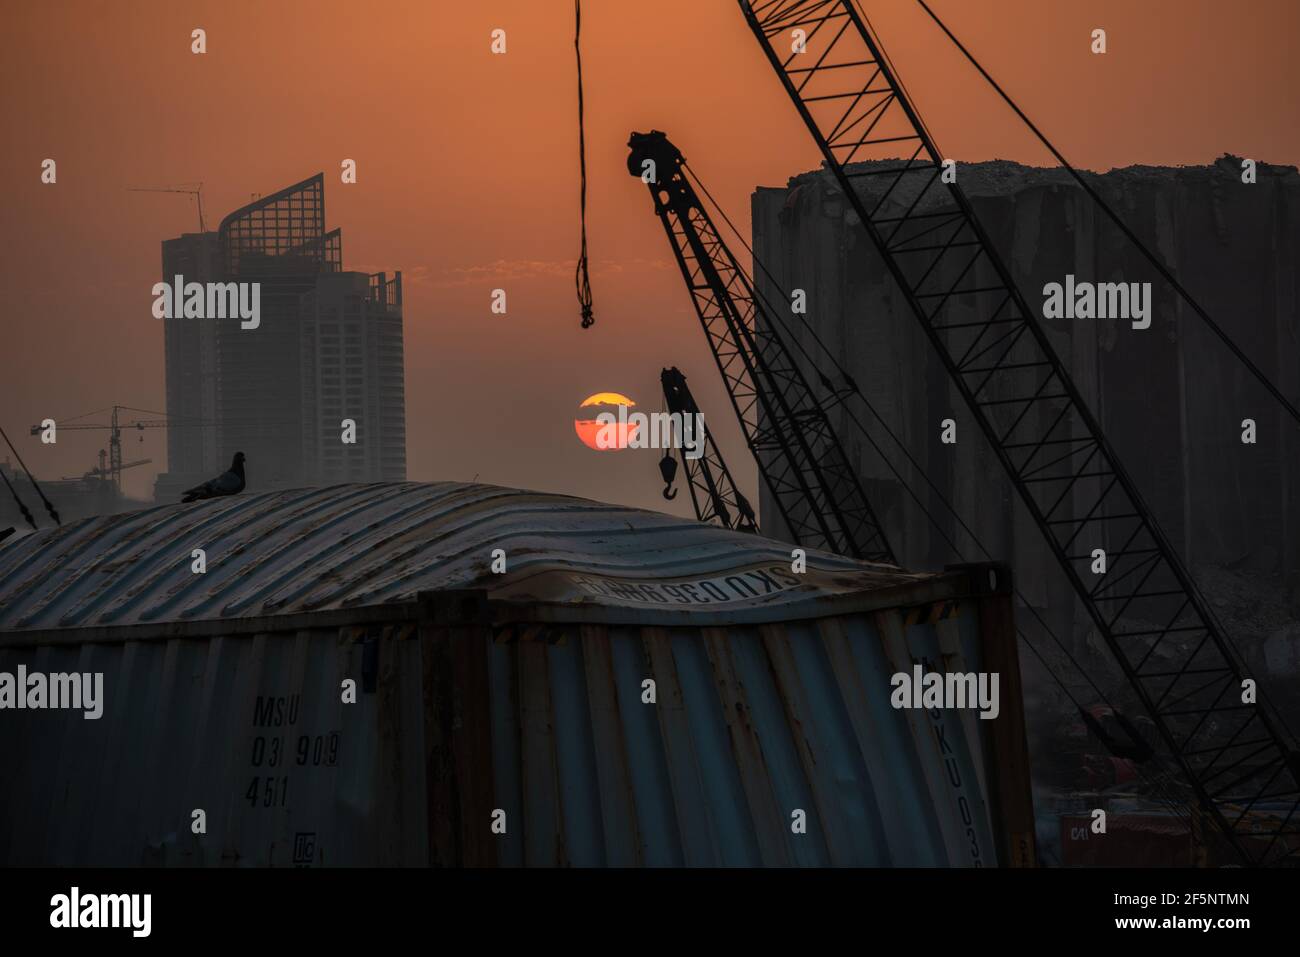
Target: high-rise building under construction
313	392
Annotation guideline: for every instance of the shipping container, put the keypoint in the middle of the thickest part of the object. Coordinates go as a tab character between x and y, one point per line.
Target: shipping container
539	680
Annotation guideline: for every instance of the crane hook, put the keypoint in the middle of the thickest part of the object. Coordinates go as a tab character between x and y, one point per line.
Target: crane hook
668	469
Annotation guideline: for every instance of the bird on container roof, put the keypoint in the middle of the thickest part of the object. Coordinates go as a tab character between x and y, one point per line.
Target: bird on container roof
230	482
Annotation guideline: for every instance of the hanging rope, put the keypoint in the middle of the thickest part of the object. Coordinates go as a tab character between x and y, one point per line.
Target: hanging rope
31	478
582	278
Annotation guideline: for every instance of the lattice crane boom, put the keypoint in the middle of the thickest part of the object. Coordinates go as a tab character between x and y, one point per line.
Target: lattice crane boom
714	494
814	487
1146	607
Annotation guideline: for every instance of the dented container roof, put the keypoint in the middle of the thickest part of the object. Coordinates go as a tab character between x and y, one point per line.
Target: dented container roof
365	545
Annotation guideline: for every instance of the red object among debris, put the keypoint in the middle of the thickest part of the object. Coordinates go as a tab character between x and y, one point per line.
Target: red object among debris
1131	840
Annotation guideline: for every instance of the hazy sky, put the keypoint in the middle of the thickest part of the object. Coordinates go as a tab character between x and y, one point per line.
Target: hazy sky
467	180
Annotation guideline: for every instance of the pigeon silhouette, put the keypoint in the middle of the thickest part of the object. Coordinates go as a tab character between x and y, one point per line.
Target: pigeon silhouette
227	483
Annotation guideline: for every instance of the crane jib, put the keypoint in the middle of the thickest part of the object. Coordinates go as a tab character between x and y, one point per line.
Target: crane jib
814	487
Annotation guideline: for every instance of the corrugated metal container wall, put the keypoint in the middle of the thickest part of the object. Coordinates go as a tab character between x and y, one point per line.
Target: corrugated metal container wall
499	719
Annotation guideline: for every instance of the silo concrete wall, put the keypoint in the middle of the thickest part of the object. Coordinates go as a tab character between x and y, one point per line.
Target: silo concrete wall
1171	398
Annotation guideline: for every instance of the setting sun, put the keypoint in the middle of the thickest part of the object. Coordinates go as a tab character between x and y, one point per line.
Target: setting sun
588	428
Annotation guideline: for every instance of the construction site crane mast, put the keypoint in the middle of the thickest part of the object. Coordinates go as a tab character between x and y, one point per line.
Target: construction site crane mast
814	487
1145	606
714	494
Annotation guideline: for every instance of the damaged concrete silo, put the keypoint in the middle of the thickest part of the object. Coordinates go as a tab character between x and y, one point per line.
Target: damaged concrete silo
1170	397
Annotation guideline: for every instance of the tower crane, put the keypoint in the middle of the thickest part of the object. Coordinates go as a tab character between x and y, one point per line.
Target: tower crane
848	94
189	189
115	427
814	486
714	494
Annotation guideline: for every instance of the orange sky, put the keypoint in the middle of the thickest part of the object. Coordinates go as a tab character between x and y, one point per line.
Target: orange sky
467	180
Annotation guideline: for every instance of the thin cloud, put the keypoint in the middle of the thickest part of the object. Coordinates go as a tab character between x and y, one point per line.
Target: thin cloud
510	270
